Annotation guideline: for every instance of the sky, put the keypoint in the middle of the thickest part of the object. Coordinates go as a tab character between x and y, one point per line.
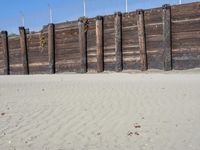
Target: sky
36	12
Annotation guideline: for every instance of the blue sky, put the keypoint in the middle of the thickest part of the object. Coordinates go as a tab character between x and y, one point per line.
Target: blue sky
36	11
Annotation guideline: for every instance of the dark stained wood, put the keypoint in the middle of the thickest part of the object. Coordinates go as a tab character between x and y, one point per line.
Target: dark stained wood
142	39
99	43
118	41
83	47
4	38
167	46
24	53
51	48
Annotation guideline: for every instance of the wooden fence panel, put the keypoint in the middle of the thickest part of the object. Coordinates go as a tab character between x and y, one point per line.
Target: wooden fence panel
38	52
67	53
186	36
15	56
130	43
154	38
109	43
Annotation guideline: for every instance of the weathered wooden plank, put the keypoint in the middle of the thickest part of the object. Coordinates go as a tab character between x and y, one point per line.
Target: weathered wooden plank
38	52
70	67
66	25
185	11
184	61
23	43
4	38
142	39
109	22
186	26
99	43
51	48
155	61
118	42
154	29
83	47
14	43
16	69
130	49
129	19
109	42
167	46
153	16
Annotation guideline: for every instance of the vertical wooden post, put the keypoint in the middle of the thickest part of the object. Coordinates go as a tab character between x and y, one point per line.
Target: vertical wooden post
83	46
23	43
51	48
142	39
167	55
4	38
99	43
118	41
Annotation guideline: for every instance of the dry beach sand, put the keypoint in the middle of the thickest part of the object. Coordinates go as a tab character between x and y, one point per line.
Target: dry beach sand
110	111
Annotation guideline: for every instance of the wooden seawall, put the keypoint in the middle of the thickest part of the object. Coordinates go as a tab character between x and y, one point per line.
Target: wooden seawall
163	38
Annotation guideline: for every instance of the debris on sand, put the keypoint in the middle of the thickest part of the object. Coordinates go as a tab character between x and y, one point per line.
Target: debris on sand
98	133
2	114
136	133
136	125
130	133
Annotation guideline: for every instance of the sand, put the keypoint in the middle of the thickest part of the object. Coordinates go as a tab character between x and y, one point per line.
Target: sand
110	111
